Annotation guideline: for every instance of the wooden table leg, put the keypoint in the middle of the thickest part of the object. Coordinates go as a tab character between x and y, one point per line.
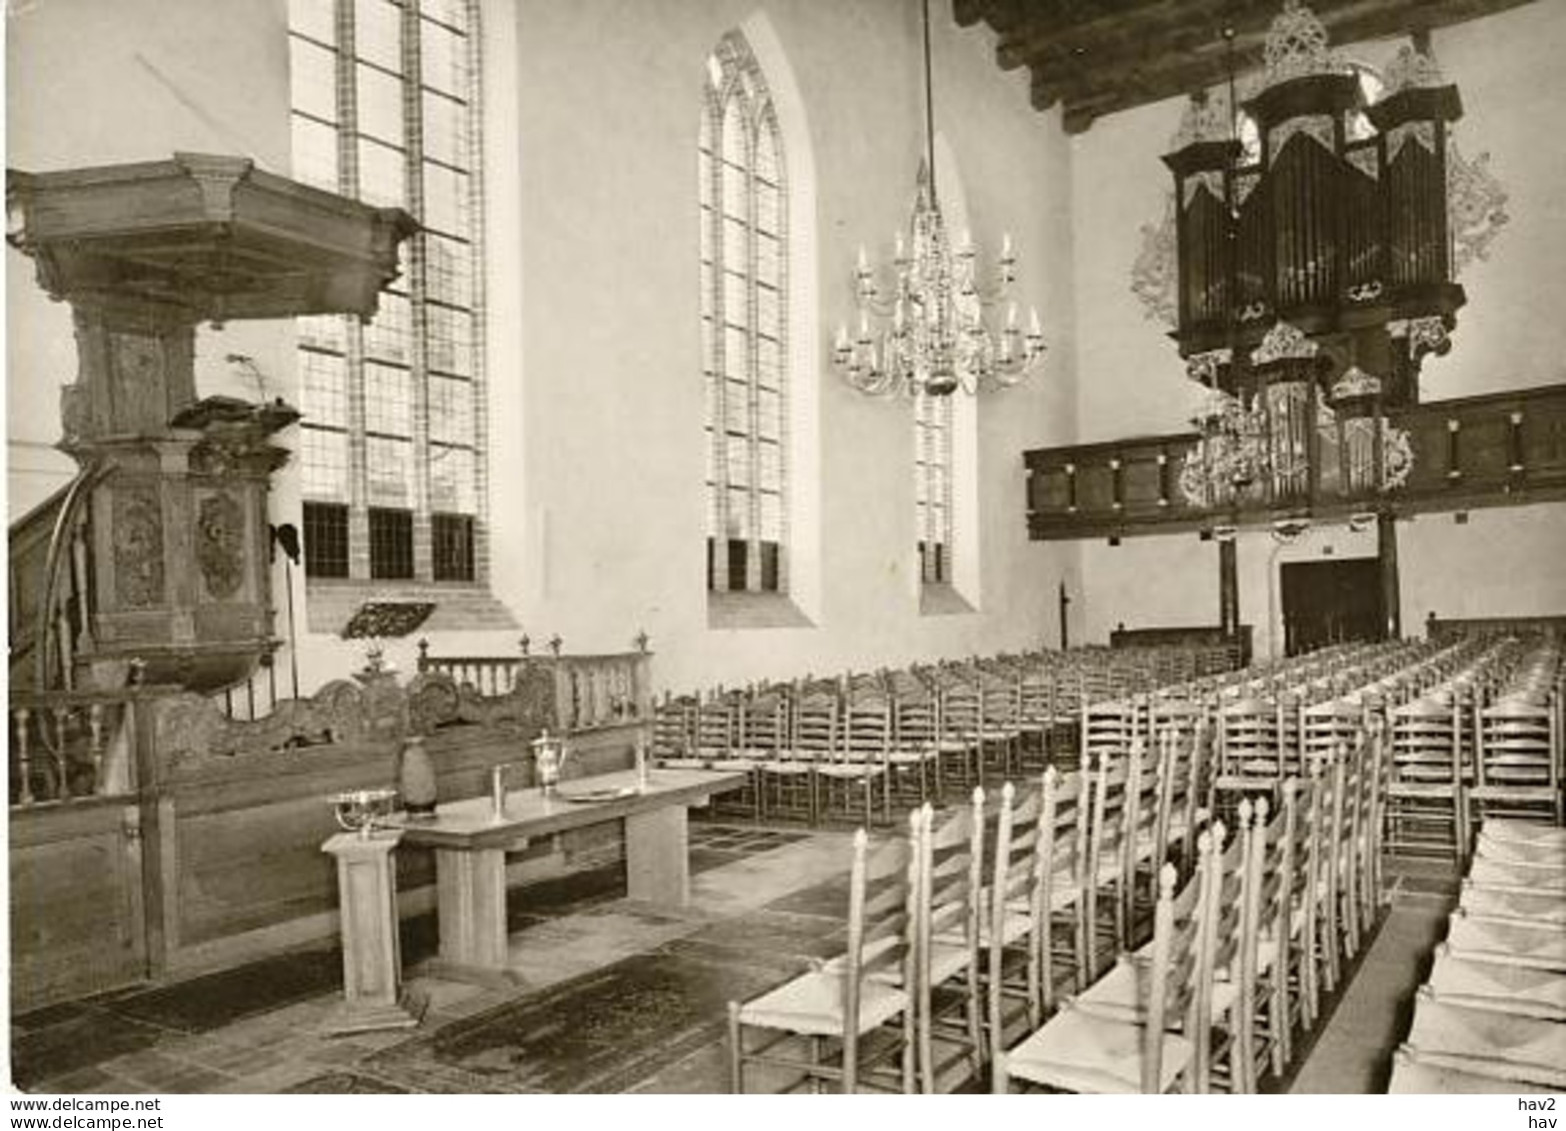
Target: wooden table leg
657	857
372	958
471	892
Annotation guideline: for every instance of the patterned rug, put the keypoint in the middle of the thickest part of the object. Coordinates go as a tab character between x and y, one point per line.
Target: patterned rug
602	1032
343	1084
615	1028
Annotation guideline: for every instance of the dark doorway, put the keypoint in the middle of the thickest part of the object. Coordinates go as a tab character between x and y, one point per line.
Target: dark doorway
1331	602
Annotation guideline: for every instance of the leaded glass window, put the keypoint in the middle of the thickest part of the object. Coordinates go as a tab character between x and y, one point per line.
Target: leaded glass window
744	325
933	486
385	110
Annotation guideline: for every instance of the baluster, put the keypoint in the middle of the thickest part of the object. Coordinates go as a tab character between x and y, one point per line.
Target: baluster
24	766
63	641
61	717
95	744
79	558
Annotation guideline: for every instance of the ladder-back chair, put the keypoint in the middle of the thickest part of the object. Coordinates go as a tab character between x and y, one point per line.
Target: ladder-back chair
951	861
1427	811
839	1004
854	775
1016	928
1061	879
1265	961
1519	758
1082	1050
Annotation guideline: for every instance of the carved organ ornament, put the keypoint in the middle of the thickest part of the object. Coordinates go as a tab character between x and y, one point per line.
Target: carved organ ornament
1307	261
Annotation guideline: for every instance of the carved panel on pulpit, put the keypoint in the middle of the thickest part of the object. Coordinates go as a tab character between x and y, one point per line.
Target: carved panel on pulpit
138	547
220	544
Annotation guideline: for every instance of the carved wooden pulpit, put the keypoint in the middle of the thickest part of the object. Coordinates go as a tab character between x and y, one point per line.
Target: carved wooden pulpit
144	253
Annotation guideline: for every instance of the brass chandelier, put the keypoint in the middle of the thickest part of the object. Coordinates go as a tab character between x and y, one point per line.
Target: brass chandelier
928	333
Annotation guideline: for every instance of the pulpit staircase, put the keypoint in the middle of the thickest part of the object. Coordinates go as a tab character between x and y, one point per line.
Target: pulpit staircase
49	584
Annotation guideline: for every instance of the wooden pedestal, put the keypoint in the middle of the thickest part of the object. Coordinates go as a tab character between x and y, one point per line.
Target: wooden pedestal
372	958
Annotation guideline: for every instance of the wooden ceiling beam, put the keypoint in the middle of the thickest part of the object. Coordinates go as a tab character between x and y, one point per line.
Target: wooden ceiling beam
1090	69
1110	23
1003	16
1148	71
967	13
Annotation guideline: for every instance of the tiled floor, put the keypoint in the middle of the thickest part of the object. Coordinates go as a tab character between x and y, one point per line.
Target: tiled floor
187	1038
620	997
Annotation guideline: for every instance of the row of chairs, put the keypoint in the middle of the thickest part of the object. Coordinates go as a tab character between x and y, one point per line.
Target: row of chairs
1475	728
1242	952
854	747
959	938
1491	1016
861	746
1488	743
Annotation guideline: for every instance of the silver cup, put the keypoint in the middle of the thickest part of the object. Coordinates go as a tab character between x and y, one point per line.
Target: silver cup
359	810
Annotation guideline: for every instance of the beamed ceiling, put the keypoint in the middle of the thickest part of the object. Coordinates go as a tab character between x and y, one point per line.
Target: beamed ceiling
1098	56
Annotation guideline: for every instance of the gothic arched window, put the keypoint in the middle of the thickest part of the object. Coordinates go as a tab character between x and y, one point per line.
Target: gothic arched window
744	324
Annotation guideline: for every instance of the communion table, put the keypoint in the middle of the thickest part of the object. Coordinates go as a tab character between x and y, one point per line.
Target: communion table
471	840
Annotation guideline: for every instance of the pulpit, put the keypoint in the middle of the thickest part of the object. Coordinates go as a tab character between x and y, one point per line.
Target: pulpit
175	488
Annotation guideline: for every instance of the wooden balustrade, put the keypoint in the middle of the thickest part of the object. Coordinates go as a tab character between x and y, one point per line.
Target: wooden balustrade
488	675
591	691
1447	628
77	745
136	815
1499	449
606	690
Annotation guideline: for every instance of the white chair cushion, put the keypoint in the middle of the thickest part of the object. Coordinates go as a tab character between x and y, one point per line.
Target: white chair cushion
1524	1048
1498	985
1082	1052
813	1003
